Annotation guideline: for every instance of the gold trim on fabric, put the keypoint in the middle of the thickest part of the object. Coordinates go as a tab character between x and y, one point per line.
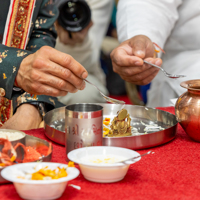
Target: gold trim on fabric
19	23
28	21
12	23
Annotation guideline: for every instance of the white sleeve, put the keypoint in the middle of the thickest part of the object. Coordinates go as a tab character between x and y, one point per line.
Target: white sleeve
153	18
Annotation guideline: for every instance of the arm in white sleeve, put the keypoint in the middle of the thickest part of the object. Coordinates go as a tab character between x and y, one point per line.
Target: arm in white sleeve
153	18
101	14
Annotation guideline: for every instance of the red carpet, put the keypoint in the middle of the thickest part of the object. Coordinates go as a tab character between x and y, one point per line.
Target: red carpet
171	173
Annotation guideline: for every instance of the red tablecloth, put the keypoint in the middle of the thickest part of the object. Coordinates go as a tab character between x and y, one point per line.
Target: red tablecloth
172	172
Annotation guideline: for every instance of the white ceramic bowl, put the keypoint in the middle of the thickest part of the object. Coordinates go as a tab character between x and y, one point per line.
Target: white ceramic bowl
38	189
87	157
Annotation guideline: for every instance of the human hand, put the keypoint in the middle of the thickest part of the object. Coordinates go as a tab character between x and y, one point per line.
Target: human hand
127	60
50	72
26	117
77	37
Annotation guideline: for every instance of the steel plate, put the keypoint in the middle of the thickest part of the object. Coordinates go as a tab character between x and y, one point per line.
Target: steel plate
55	126
33	142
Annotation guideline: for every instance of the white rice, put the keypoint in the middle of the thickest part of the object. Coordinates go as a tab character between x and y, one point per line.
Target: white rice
11	136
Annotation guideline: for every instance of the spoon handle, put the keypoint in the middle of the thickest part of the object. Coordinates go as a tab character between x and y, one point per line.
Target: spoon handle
134	157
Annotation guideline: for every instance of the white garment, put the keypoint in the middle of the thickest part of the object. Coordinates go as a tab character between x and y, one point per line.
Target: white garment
88	54
175	26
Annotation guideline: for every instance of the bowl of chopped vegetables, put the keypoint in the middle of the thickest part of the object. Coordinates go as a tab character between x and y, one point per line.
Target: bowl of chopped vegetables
45	180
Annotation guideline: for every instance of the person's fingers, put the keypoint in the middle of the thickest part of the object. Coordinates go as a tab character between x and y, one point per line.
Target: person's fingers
127	60
65	61
126	65
68	82
132	70
41	89
50	91
58	30
142	46
86	29
144	81
61	75
139	75
56	25
78	37
121	58
141	78
57	83
63	35
158	61
149	70
138	47
129	71
58	77
90	24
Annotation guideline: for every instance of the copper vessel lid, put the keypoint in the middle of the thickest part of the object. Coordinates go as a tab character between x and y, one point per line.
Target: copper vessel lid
191	84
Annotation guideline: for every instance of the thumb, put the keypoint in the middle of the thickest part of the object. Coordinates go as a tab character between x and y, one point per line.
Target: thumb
139	48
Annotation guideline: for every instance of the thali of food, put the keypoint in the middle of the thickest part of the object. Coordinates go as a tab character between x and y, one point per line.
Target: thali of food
146	127
25	149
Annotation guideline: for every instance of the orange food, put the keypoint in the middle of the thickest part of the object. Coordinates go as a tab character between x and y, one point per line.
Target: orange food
71	164
62	173
37	176
7	154
31	155
106	122
44	150
105	131
43	173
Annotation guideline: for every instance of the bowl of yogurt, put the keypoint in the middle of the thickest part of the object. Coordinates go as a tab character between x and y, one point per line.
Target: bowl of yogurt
102	163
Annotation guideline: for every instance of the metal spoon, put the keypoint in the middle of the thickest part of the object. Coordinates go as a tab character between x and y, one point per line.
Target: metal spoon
123	161
111	100
166	74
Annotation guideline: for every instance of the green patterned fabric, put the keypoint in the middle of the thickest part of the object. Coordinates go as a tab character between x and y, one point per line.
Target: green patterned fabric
42	32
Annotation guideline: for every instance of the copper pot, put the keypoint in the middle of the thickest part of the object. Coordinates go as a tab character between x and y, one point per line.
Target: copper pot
187	109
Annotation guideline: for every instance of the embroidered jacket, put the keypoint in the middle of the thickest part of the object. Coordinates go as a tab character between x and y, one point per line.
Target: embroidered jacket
25	26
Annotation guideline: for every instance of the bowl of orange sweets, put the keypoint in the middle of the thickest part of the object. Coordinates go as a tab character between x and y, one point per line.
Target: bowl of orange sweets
44	180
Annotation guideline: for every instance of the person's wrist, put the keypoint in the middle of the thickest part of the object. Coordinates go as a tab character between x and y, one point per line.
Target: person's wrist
28	110
40	106
26	117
